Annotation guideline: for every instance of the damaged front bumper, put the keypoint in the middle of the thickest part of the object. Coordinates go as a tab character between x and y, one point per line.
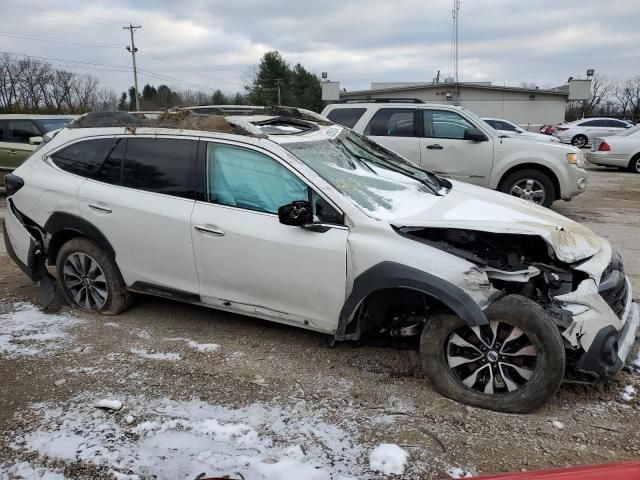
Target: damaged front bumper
605	322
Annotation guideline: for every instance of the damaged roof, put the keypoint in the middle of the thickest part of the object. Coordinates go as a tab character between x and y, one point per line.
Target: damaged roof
248	121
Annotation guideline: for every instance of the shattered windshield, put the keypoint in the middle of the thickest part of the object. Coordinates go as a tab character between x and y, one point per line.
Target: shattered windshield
374	178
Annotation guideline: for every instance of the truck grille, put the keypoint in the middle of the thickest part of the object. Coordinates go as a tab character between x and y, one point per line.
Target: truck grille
613	286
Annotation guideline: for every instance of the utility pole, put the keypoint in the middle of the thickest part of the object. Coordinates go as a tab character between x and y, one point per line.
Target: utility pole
278	80
132	48
456	14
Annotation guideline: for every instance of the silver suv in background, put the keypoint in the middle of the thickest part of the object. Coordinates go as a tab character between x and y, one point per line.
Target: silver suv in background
454	142
582	132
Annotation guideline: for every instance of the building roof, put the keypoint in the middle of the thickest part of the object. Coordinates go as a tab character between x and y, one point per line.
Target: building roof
480	86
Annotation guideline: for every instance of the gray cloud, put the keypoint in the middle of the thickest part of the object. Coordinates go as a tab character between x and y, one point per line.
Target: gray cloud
212	43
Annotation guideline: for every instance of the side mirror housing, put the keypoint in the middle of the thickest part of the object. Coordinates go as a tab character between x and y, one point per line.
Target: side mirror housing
296	213
35	140
475	134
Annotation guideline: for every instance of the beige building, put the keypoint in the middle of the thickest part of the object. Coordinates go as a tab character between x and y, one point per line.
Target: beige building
529	108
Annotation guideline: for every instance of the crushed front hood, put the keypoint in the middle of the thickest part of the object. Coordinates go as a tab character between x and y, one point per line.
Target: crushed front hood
474	208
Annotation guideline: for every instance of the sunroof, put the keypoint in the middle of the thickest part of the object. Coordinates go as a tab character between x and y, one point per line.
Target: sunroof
285	126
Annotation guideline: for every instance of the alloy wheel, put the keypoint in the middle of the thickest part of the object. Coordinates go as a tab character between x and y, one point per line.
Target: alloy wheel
579	142
85	281
637	165
529	189
494	358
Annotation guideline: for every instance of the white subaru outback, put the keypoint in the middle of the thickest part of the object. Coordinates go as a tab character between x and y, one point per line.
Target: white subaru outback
282	215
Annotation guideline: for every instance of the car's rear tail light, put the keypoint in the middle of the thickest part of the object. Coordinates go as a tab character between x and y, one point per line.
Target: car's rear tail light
561	129
12	183
604	147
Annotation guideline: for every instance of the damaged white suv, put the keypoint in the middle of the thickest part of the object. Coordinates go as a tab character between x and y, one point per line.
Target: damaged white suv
282	215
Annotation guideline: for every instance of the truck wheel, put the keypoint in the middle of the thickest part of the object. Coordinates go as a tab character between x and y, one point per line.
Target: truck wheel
90	278
579	141
634	164
532	185
514	364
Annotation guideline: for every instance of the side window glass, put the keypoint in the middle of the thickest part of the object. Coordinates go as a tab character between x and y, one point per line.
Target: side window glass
589	123
616	124
392	122
20	131
243	178
111	169
443	124
84	158
159	165
507	126
324	211
2	127
347	117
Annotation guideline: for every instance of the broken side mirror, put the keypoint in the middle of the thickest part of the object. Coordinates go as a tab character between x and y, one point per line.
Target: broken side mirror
475	134
296	213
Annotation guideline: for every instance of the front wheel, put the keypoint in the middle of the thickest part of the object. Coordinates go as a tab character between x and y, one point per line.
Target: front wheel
90	278
514	364
531	185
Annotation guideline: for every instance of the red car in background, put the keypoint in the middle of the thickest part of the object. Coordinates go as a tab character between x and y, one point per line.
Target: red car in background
614	471
548	129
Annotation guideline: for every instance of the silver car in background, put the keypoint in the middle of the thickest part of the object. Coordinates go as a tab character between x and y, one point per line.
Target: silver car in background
581	132
512	130
622	150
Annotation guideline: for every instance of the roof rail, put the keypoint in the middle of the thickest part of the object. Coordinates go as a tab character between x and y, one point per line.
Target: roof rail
381	100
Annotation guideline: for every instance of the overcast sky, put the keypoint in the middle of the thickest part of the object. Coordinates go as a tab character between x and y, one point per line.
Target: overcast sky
212	43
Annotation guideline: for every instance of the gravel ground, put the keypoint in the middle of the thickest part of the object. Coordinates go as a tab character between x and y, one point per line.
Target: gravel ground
207	391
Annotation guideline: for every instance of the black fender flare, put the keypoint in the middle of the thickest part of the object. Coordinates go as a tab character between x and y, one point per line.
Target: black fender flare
61	221
386	275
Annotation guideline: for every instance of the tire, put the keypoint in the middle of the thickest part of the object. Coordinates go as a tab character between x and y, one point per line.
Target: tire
438	352
634	164
537	180
579	141
101	288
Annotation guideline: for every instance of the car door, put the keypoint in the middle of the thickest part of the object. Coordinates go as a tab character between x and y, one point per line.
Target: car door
397	129
141	198
5	146
248	261
445	151
20	131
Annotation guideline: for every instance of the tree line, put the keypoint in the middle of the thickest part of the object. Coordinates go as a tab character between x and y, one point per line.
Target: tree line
33	86
610	97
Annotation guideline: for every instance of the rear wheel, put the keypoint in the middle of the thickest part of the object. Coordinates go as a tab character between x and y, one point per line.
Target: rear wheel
579	141
634	164
531	185
90	278
514	364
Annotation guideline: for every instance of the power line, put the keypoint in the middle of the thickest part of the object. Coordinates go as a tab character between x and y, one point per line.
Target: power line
110	67
51	40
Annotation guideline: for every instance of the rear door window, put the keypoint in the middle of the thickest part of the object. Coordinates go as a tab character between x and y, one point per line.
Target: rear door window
84	158
616	124
591	123
163	165
20	131
347	117
393	122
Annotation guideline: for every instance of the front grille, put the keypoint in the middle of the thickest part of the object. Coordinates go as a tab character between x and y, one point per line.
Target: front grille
613	286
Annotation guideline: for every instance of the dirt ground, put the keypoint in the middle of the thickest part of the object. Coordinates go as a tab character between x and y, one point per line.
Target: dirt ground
296	401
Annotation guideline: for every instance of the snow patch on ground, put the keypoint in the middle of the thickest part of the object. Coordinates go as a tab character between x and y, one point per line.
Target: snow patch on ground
388	458
27	331
24	470
179	440
201	347
144	353
628	393
457	472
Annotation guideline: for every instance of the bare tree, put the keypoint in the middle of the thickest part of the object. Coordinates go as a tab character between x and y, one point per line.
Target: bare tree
106	100
601	89
83	93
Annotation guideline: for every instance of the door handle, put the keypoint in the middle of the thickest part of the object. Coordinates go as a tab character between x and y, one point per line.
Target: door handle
100	208
12	152
435	146
211	230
